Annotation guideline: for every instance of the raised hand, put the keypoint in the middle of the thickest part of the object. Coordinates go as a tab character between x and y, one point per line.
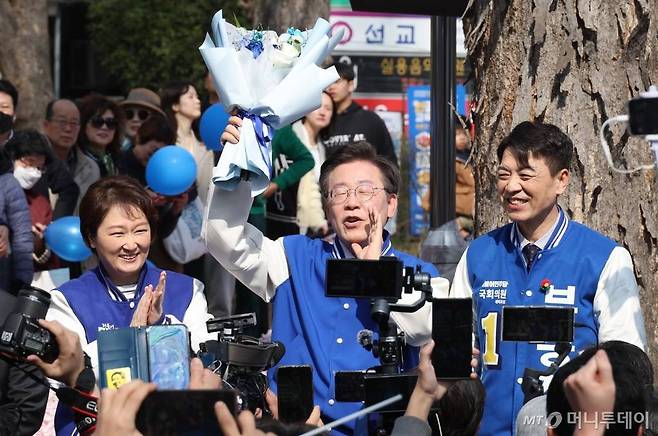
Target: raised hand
375	243
591	391
157	299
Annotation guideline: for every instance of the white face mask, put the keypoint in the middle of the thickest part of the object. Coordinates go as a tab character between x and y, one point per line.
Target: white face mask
27	176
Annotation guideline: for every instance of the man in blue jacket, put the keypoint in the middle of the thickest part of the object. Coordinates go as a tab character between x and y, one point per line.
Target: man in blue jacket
359	191
541	259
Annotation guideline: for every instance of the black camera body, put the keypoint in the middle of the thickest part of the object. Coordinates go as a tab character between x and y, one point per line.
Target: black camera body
21	333
240	359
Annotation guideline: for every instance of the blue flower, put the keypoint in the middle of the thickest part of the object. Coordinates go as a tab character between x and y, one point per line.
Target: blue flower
292	31
256	47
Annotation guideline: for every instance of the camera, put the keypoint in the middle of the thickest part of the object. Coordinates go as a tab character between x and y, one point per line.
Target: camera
386	278
383	281
643	114
21	333
642	120
240	359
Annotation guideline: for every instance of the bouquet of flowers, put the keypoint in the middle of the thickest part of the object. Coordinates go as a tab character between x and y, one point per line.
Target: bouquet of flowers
272	80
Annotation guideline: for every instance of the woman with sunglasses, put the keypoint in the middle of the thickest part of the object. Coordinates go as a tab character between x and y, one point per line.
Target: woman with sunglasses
102	122
138	107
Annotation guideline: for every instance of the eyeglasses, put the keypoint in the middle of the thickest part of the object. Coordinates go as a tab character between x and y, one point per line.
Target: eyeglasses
63	122
362	193
142	114
98	122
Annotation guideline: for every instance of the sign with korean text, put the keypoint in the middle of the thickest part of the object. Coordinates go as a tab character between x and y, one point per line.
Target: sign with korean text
373	33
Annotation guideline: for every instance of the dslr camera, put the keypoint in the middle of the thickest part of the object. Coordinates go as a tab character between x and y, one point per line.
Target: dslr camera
21	333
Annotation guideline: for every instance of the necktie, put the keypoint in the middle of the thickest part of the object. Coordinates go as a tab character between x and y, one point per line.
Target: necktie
530	252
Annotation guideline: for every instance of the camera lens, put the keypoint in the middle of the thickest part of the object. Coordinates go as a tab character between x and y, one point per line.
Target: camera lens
32	302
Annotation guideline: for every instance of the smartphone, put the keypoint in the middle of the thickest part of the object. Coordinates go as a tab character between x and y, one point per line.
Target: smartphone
538	324
169	356
357	278
380	387
349	386
183	412
643	116
452	331
295	392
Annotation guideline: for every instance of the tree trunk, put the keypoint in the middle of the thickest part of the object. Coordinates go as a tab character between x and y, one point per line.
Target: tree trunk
281	14
573	63
25	56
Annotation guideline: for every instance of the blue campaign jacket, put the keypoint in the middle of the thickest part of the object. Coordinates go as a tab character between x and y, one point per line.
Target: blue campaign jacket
322	331
498	277
89	299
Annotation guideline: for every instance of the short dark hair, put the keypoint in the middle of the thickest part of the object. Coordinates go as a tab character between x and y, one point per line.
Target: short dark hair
93	105
360	151
27	142
156	128
49	109
124	191
8	88
461	408
542	140
170	95
633	375
345	70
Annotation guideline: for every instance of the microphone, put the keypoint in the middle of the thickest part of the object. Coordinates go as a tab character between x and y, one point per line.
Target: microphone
364	337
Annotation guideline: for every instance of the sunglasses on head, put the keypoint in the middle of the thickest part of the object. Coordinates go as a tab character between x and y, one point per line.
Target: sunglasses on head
142	114
98	121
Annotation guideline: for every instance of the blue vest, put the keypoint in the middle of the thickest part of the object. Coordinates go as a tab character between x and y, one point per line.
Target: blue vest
498	277
322	331
92	305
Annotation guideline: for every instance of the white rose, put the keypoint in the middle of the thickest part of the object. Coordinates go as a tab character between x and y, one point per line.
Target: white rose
285	56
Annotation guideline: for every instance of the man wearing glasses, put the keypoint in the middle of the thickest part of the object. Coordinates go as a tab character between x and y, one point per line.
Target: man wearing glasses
62	126
359	195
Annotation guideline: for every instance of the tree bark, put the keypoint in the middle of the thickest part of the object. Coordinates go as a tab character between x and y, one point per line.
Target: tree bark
281	14
573	63
25	56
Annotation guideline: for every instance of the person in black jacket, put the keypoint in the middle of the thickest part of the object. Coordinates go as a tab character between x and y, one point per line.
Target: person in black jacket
22	398
353	123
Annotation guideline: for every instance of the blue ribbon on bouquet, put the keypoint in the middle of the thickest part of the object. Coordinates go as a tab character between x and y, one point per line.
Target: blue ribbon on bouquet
262	137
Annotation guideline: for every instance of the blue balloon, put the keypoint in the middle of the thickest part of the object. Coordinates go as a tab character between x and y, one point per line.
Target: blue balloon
63	237
213	121
171	170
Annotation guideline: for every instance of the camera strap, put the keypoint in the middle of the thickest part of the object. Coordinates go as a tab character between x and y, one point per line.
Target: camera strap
84	406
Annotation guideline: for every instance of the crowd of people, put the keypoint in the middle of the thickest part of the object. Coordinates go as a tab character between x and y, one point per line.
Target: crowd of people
335	185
